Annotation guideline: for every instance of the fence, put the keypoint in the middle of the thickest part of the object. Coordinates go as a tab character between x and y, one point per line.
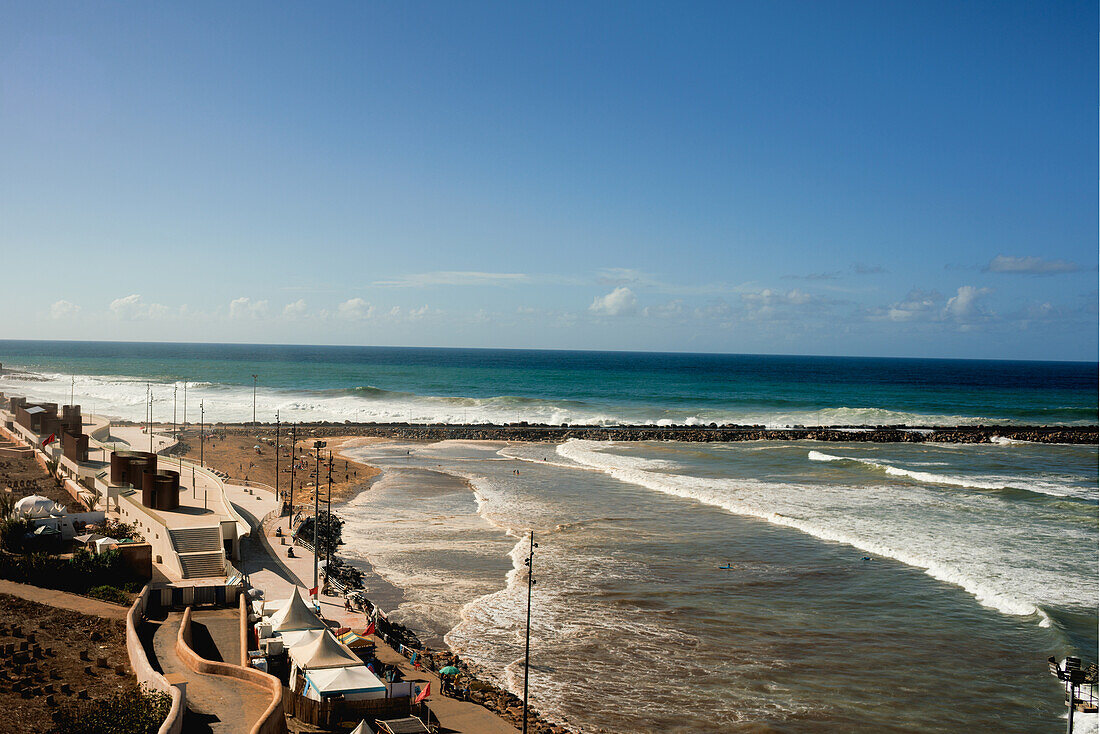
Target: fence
330	712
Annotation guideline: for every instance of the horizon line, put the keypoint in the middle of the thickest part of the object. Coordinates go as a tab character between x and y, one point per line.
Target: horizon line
547	349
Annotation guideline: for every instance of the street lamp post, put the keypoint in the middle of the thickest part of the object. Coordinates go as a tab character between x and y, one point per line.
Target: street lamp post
293	461
150	423
530	563
254	402
278	496
317	446
202	432
328	548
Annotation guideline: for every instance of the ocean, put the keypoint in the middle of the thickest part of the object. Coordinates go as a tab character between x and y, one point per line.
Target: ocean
871	587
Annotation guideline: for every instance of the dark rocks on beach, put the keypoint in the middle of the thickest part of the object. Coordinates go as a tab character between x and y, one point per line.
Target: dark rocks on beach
535	433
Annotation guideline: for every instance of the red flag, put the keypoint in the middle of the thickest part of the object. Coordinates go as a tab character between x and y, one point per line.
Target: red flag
313	591
424	694
52	437
369	630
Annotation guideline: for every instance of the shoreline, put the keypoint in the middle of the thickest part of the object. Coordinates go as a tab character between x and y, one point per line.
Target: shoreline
486	689
534	433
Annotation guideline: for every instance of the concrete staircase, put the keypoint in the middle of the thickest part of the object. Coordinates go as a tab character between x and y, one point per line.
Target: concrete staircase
202	565
200	551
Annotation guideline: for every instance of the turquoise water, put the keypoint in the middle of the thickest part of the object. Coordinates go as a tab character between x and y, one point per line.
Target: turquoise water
461	385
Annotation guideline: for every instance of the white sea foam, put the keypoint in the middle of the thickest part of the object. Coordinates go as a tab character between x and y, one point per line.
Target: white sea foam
1005	441
909	525
991	481
123	396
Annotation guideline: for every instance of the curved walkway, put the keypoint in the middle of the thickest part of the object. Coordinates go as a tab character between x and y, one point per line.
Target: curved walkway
215	703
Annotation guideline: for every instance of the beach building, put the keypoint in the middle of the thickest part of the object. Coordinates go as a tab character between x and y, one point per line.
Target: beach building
181	509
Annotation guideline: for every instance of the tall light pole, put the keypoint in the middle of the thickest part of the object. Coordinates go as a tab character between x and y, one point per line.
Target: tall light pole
175	431
328	547
317	446
185	402
150	424
254	401
293	462
530	563
202	432
72	392
278	496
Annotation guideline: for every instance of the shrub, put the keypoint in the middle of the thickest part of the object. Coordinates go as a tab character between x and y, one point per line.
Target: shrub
13	535
135	711
110	593
329	532
121	531
77	574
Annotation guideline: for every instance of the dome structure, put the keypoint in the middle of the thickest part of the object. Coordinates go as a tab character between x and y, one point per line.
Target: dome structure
36	506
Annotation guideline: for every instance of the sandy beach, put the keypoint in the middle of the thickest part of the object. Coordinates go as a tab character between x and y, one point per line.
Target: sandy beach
232	451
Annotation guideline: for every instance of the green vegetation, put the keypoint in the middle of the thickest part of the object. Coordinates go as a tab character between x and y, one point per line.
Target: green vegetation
78	574
136	711
13	535
329	532
112	594
122	531
7	505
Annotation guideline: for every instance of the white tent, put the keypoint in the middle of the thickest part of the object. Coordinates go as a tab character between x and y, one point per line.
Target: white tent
37	506
103	545
299	637
354	683
324	652
295	615
362	728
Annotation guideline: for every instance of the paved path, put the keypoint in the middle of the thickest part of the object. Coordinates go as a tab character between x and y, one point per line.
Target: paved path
63	600
215	703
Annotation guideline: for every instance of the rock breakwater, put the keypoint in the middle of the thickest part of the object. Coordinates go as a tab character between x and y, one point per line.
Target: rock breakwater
713	433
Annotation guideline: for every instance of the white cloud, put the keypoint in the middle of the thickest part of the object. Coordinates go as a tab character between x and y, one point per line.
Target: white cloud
619	302
419	313
295	310
246	308
133	308
355	309
917	306
669	310
453	277
63	310
1030	265
964	304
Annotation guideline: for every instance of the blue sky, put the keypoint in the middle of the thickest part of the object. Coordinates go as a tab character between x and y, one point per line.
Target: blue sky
896	179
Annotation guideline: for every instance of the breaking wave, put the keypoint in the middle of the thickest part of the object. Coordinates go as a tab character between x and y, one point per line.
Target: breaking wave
817	511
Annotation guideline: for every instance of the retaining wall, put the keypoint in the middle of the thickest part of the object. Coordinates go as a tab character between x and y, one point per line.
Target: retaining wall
145	672
272	720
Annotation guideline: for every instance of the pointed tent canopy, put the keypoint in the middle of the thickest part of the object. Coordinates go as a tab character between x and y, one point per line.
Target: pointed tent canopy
362	728
299	637
295	615
324	652
354	679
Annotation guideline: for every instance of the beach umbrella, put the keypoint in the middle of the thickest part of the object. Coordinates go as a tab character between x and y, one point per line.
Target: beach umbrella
449	670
